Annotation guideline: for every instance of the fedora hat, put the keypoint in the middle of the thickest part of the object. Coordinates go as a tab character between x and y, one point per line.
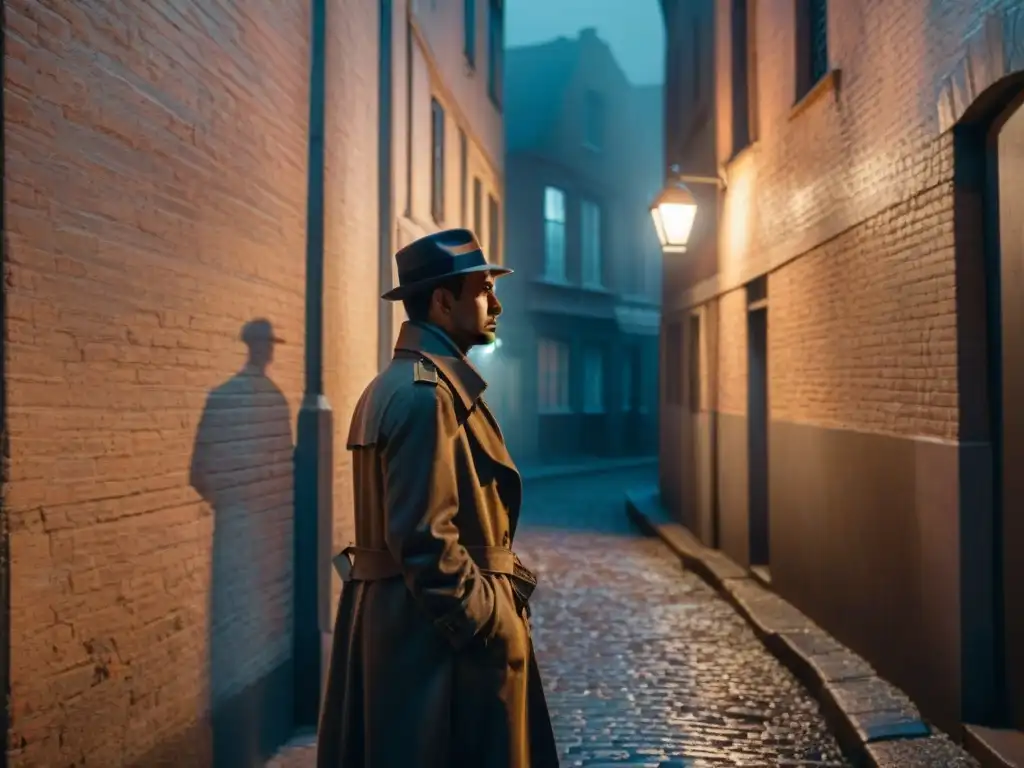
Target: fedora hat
431	260
260	331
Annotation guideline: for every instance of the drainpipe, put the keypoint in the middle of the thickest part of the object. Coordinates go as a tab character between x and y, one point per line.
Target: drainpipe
5	562
385	188
313	523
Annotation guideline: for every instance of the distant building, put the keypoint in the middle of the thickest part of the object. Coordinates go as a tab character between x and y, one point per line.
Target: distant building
844	342
584	159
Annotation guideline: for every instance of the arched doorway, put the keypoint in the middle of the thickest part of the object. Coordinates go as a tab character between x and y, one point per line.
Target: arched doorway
989	236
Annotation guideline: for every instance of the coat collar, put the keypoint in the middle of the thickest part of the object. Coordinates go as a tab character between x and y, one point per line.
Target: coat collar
431	342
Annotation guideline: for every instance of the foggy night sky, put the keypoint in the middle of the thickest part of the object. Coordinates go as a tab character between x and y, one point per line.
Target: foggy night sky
633	28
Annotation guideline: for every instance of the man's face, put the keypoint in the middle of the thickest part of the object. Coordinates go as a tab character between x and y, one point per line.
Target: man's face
471	319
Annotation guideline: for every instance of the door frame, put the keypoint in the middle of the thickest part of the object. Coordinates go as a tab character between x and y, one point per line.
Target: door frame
985	692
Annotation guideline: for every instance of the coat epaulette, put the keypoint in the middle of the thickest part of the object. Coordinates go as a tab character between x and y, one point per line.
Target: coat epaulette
424	372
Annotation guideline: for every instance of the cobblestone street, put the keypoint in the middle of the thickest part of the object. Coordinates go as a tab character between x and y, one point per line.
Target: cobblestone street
644	664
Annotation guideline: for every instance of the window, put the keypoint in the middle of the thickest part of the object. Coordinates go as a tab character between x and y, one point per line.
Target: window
593	381
493	230
463	176
554	234
693	364
593	120
590	242
437	157
552	376
469	31
741	106
478	208
812	44
495	51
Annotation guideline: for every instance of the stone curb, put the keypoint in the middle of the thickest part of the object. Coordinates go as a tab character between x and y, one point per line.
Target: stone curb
585	468
876	724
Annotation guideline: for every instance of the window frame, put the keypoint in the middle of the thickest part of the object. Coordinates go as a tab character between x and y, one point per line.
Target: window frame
553	361
495	51
812	45
591	262
551	224
437	181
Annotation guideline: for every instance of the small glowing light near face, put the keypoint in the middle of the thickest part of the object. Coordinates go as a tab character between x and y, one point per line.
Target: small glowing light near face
673	212
489	349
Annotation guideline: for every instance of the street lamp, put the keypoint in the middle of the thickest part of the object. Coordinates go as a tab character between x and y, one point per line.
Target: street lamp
673	212
675	208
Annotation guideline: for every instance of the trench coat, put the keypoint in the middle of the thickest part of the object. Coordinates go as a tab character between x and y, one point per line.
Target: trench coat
434	668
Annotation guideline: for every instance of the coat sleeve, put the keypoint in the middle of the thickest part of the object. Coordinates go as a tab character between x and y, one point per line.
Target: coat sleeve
421	499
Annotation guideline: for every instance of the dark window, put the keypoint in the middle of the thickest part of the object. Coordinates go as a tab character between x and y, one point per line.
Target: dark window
478	208
812	43
469	31
693	363
593	120
495	51
437	158
463	176
740	75
493	230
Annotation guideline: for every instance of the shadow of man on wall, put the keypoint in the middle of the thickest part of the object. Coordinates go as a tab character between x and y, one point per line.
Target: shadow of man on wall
242	466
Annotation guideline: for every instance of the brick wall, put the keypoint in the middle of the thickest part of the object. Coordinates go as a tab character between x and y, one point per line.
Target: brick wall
862	334
880	352
732	353
155	199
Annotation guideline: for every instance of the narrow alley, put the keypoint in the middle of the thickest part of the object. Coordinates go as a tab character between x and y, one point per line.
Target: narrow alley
645	665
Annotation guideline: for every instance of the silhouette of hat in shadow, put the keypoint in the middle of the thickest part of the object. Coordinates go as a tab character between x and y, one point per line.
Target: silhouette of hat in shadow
260	331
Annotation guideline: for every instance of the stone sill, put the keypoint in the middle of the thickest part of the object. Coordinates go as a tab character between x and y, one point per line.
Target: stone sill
828	83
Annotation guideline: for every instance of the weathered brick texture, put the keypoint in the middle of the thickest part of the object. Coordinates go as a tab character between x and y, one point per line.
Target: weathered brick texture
155	159
880	352
861	328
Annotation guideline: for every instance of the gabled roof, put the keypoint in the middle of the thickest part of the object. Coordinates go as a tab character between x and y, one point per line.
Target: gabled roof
536	77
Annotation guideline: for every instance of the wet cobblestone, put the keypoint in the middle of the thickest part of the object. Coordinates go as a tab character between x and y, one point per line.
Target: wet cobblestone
644	664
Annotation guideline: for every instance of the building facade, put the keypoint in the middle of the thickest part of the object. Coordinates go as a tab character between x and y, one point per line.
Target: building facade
584	160
201	203
842	338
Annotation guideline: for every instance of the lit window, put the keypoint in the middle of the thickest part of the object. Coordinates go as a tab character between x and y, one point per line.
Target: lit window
554	234
552	376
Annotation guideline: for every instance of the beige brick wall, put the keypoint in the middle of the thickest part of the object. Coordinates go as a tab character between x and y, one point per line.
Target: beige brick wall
732	353
155	160
863	329
861	335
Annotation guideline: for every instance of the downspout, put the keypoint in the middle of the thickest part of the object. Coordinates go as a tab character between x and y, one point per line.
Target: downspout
313	525
5	561
385	187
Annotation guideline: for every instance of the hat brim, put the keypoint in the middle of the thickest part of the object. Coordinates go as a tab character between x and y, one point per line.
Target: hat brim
411	289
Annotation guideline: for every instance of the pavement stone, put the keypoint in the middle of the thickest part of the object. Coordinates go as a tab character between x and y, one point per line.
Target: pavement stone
644	664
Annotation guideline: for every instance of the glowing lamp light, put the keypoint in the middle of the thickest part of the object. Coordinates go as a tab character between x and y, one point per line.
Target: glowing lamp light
673	212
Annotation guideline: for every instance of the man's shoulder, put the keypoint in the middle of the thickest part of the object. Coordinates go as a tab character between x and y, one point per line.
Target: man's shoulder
408	387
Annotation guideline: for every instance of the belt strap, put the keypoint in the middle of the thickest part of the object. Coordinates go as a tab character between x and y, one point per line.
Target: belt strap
364	564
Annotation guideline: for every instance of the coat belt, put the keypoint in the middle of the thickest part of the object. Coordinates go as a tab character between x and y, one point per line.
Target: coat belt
365	564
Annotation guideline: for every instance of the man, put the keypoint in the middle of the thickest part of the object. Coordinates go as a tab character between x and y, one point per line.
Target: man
432	664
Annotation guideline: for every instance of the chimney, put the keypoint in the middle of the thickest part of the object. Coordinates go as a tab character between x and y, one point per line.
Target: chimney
590	33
